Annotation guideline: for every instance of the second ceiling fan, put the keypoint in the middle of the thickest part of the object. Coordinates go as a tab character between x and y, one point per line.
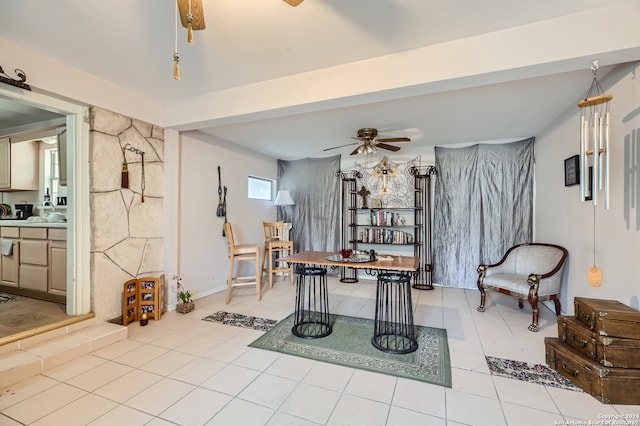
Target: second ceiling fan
369	142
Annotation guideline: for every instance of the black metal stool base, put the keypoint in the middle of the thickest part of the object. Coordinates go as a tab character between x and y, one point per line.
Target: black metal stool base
393	330
311	316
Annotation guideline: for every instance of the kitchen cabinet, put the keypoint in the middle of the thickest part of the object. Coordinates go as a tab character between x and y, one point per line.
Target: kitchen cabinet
34	259
57	261
11	263
18	165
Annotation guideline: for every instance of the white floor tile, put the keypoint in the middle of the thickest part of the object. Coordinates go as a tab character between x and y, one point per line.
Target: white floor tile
473	409
403	417
312	403
128	385
329	376
159	396
421	397
270	391
231	380
80	412
122	415
196	407
240	412
374	386
355	411
44	403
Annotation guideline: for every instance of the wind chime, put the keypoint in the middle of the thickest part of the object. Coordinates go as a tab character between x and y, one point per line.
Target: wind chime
594	155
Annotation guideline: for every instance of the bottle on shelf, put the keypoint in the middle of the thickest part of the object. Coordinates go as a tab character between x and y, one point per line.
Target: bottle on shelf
47	198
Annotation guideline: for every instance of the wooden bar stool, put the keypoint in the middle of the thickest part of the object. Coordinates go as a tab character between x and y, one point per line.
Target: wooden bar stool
274	248
242	252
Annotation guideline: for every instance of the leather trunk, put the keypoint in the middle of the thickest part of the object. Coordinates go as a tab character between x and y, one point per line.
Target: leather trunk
608	317
608	351
607	384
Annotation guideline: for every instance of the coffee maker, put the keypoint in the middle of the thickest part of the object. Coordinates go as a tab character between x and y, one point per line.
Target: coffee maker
24	211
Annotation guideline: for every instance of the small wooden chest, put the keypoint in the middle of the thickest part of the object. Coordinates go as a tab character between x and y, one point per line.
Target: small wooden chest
608	351
607	384
608	317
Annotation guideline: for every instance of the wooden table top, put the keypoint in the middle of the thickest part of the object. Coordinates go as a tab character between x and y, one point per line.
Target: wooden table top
397	263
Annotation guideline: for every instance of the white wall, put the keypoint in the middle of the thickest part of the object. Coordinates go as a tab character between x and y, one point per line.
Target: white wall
203	252
560	216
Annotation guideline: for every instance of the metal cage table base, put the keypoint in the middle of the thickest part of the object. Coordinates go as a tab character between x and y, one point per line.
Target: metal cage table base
393	329
311	316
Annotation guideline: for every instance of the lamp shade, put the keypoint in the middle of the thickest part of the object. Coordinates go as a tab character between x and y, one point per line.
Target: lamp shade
283	199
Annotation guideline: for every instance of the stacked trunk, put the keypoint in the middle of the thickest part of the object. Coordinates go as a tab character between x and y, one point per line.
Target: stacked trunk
599	350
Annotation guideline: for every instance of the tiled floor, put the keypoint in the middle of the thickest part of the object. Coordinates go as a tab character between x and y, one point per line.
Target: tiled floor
182	370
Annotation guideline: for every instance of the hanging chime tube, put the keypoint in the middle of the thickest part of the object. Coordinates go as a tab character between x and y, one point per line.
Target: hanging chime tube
583	158
606	156
596	169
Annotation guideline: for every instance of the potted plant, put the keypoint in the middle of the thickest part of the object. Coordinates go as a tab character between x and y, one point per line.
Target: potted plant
185	304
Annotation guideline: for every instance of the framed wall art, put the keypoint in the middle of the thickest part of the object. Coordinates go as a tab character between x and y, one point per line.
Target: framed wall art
572	171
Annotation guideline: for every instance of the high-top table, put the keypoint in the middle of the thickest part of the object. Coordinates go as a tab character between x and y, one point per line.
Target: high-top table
396	263
393	326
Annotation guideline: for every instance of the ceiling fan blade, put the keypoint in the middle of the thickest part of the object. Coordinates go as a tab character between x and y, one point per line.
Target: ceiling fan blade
389	147
355	151
293	3
393	140
197	22
340	146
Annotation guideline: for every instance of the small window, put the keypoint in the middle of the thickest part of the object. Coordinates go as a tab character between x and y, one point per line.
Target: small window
260	188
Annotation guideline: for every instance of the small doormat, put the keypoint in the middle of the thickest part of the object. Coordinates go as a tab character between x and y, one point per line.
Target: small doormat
6	298
239	320
533	373
350	345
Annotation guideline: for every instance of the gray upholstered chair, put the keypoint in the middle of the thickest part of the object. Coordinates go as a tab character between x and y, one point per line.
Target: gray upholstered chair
526	271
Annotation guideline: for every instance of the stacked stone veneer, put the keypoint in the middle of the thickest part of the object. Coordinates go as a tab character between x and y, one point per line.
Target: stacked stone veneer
126	233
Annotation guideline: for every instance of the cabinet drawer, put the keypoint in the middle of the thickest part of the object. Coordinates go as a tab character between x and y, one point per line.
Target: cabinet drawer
34	252
58	234
33	277
34	233
10	232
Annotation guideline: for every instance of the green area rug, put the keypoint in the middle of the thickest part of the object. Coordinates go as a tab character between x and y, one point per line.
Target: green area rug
350	345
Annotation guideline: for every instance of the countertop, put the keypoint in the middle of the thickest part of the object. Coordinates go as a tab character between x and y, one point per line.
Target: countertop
25	224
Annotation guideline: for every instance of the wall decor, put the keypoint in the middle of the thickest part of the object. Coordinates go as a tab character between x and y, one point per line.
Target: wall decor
572	171
376	203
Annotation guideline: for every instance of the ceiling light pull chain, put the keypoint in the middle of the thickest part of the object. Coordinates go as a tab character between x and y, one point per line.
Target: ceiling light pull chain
189	25
176	55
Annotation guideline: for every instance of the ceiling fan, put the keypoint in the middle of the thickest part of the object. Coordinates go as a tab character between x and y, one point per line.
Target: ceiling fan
369	143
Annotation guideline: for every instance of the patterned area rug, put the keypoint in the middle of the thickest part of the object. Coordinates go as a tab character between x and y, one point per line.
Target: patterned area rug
350	345
239	320
6	298
533	373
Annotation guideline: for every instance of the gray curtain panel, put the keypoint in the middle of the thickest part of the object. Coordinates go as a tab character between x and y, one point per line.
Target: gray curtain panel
314	185
483	204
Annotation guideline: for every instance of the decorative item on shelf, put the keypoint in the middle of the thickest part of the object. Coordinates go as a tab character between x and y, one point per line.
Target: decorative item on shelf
376	203
385	168
185	304
364	193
